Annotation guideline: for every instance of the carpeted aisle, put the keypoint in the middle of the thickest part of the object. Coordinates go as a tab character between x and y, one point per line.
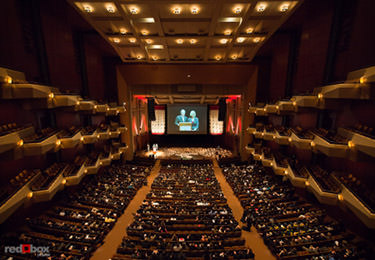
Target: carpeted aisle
253	239
114	237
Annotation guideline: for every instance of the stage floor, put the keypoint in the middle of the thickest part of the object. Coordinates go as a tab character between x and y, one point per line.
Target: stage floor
187	153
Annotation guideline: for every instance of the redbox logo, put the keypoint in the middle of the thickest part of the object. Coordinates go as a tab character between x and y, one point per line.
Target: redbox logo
28	249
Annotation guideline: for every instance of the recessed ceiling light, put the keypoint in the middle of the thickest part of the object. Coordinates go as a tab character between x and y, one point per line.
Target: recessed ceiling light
194	10
134	10
88	8
139	57
284	7
123	31
132	40
155	57
223	41
110	8
116	40
180	41
249	30
193	41
261	7
149	41
256	39
176	10
144	32
234	56
240	39
237	9
227	32
217	57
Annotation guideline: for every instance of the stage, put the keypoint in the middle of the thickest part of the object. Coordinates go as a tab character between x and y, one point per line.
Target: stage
186	153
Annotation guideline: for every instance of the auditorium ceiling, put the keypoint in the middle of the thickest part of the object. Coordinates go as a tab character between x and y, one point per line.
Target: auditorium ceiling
172	31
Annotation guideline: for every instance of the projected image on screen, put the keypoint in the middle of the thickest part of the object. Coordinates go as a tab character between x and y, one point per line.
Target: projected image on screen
187	119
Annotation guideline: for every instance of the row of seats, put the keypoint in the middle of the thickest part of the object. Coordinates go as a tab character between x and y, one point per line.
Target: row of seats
291	227
185	215
77	223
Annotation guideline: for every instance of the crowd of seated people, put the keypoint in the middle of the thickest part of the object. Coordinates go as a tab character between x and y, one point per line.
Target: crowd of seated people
184	215
363	190
78	221
325	180
15	184
45	179
291	227
331	136
11	128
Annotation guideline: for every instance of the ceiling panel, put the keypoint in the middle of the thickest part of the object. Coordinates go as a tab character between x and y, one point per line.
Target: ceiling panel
170	31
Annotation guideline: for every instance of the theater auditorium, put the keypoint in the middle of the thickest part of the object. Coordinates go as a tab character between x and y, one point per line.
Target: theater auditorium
187	129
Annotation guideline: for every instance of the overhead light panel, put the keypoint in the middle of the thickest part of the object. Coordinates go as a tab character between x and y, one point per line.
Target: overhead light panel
116	40
230	20
194	10
234	56
176	10
132	40
88	8
123	31
144	32
237	9
193	41
218	57
155	57
240	39
284	7
261	7
249	30
139	57
145	20
256	39
180	41
110	8
134	10
149	41
223	41
228	32
155	47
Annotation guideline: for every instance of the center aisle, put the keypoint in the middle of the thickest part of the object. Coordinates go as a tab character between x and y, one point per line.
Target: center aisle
253	239
114	237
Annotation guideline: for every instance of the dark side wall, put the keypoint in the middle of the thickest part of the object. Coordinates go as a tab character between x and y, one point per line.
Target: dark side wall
52	44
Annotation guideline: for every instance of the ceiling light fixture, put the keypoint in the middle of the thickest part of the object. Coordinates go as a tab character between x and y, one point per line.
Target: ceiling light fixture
134	10
88	8
234	56
261	7
123	31
139	57
176	10
116	40
227	32
237	9
223	41
144	32
240	39
256	39
155	57
110	8
284	7
132	40
148	41
180	41
193	41
156	46
249	30
217	57
194	10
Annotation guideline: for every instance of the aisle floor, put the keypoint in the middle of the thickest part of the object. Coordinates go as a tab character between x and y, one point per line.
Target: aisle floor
114	237
253	239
